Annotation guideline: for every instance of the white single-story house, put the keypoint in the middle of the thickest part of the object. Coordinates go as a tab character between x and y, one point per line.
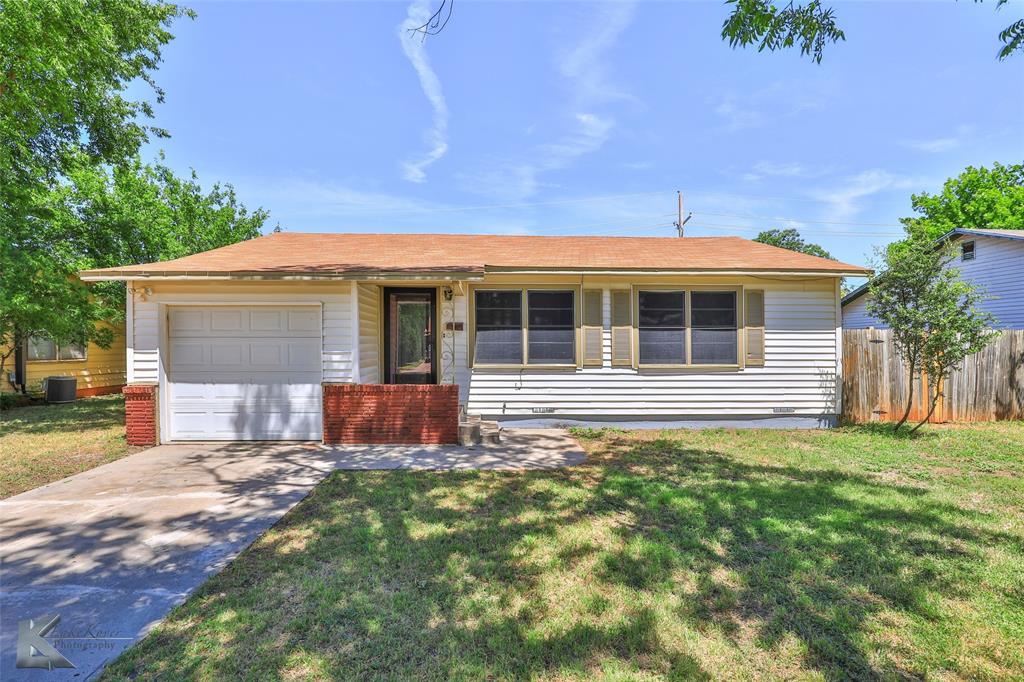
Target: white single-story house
993	259
391	337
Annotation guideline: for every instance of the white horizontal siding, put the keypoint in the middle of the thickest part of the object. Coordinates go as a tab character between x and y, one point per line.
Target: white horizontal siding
145	355
799	375
336	354
369	334
462	376
337	351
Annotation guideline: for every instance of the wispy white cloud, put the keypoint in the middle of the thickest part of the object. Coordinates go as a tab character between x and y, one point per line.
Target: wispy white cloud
934	146
847	199
777	100
591	89
938	145
770	170
415	49
736	116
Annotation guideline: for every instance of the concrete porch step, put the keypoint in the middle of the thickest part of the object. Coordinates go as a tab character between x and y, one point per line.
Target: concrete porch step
475	431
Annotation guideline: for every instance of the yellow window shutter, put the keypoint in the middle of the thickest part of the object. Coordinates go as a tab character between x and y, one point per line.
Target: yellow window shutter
754	312
622	328
592	326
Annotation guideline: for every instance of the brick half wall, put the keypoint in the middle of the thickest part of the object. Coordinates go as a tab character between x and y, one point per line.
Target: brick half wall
391	413
140	414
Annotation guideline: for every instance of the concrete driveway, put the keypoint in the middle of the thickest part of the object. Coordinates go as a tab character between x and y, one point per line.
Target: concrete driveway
113	549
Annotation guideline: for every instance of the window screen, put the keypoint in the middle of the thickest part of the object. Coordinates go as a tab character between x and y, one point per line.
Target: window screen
552	330
71	351
499	325
41	349
662	327
713	327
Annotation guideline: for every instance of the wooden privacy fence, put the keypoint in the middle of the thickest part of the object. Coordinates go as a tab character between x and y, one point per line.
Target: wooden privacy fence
989	386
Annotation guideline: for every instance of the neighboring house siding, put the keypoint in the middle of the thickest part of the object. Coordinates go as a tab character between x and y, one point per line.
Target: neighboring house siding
369	334
799	374
335	301
855	315
998	266
102	370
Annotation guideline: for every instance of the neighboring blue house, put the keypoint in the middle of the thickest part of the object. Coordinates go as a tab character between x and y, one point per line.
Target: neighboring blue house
993	259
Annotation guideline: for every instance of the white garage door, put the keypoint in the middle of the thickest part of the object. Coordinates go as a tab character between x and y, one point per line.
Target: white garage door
244	373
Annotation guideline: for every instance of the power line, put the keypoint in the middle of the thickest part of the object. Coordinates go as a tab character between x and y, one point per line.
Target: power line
483	207
825	233
796	220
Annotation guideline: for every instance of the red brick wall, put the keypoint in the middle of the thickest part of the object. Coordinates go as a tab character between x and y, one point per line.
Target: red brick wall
140	415
391	413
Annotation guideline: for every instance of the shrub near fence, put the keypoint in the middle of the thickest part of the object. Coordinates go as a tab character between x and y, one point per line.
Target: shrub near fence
989	386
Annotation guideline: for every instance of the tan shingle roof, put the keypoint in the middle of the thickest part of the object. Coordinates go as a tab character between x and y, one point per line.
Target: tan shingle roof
325	254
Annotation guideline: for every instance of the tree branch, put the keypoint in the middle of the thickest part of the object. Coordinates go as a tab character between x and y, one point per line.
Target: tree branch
437	21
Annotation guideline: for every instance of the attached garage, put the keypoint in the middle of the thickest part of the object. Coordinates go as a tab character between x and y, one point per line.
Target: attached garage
243	373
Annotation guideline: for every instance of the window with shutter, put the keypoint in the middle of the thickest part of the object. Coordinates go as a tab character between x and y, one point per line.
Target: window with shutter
593	325
622	328
754	313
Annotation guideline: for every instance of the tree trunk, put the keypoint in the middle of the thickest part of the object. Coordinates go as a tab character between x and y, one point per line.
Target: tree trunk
910	400
931	410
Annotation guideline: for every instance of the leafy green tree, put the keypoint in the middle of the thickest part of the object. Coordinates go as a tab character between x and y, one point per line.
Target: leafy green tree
932	314
791	239
65	67
103	216
991	198
812	26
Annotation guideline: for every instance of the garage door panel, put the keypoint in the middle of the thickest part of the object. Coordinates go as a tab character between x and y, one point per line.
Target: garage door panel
242	393
304	321
224	355
246	355
228	425
186	320
244	373
228	320
189	354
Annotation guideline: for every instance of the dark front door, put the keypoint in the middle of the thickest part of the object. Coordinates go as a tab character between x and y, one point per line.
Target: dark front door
409	349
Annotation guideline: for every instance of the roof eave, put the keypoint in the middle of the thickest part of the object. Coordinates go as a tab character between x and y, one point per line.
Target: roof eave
158	275
851	272
979	233
855	294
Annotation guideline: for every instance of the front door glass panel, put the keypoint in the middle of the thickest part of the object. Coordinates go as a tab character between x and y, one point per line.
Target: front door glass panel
410	337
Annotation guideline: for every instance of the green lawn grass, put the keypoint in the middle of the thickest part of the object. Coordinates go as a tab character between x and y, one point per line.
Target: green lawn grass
45	443
675	555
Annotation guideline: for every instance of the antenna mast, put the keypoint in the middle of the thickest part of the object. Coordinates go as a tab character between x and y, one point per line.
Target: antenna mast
680	222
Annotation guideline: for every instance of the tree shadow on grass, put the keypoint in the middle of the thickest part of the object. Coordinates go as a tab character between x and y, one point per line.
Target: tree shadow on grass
100	412
445	575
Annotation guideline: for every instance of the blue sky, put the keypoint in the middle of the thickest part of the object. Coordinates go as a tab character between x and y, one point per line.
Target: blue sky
581	118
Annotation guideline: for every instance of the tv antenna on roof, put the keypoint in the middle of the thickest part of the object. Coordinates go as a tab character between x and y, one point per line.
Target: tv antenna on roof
680	222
